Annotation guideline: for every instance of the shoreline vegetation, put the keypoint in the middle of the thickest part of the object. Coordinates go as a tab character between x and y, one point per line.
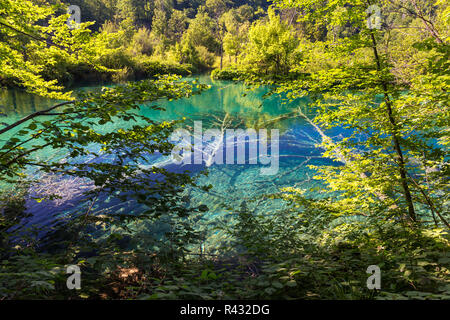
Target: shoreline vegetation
384	201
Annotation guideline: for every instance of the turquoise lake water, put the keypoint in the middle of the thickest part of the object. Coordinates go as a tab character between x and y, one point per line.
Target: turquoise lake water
234	185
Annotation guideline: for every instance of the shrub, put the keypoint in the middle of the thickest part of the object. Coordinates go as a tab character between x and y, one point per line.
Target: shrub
226	74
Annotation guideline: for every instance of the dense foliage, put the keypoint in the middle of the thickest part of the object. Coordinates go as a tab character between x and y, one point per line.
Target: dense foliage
385	201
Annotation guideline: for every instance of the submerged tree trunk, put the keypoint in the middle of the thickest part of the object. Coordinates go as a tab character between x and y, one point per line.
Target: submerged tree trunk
345	159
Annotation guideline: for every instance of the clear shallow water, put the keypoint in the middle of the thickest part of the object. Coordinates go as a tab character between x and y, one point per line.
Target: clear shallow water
234	186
